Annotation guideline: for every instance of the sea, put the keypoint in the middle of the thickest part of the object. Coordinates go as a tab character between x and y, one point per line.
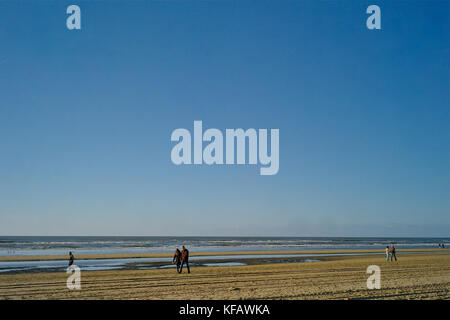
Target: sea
50	245
19	247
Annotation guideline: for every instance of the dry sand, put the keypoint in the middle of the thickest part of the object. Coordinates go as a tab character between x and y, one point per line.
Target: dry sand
413	276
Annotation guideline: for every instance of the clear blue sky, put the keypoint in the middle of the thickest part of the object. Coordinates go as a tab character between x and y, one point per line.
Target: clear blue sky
86	117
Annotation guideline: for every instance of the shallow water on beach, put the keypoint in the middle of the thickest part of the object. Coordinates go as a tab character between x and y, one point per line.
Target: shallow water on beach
154	263
23	246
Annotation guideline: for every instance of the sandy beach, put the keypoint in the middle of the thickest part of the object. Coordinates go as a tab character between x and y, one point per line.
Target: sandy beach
413	276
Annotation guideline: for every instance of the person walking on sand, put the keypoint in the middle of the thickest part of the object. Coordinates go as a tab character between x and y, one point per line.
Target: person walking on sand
387	253
71	258
393	252
184	258
177	259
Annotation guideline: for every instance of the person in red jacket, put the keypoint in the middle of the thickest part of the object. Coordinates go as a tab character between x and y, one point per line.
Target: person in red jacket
184	259
393	252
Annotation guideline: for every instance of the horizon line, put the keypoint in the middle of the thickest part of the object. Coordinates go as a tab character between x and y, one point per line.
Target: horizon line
222	236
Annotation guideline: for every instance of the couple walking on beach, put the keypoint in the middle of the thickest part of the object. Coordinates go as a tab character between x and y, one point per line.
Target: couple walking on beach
180	258
390	252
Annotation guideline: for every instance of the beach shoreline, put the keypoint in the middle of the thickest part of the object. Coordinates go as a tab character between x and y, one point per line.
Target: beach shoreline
169	255
413	276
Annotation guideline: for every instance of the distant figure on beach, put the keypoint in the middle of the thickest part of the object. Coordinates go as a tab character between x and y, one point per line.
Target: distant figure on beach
392	252
443	246
387	253
184	259
177	259
71	258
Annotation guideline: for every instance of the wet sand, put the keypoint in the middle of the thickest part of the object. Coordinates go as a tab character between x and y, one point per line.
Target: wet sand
194	254
413	276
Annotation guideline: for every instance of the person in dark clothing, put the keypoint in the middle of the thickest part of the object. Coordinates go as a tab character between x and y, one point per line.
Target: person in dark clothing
71	258
184	259
177	259
392	251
